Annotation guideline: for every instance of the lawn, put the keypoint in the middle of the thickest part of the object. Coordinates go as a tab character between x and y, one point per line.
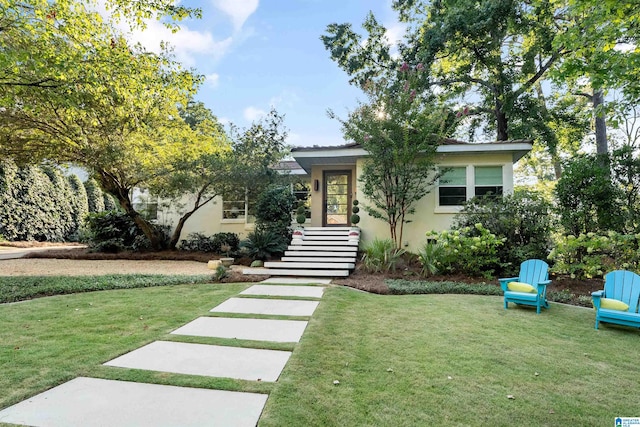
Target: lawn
400	360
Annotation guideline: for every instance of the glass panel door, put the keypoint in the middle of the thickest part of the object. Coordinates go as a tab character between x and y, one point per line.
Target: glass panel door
337	198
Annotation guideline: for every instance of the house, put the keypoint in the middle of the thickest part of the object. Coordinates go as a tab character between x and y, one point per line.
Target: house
472	169
329	183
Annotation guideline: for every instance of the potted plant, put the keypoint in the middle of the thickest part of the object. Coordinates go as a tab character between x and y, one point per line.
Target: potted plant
354	234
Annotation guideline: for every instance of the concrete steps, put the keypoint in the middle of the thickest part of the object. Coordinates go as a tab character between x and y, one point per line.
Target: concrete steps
316	251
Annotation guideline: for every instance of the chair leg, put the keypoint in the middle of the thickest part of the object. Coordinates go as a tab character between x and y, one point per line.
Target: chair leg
506	304
538	309
597	321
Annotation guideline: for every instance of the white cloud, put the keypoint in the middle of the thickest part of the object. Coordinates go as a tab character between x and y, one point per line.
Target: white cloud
213	79
238	10
285	99
395	32
252	114
186	43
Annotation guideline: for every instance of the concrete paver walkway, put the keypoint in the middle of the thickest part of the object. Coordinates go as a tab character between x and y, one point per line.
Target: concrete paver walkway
245	329
97	402
267	306
89	402
285	291
207	360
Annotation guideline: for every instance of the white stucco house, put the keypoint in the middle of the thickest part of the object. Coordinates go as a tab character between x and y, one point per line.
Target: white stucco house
329	179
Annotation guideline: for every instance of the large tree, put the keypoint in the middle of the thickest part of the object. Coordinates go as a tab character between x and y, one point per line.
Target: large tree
496	50
100	103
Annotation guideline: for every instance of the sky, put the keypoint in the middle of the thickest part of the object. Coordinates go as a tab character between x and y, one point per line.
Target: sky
258	54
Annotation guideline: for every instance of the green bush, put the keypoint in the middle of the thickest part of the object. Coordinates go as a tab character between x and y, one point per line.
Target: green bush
593	255
403	287
95	196
525	219
428	256
263	244
273	212
588	201
111	231
38	203
472	251
202	243
382	255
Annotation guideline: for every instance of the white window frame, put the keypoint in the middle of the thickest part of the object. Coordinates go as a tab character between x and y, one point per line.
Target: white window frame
470	186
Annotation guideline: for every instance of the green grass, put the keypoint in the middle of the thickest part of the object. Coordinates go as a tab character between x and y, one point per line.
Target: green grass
400	360
420	360
19	288
48	341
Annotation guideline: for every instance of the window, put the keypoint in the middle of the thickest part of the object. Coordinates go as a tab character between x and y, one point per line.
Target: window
488	181
452	190
235	205
302	193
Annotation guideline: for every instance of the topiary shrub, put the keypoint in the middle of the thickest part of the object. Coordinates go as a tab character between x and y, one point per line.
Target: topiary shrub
301	215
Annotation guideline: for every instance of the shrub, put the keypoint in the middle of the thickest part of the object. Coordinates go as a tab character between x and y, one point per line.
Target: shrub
593	255
472	251
524	218
382	255
274	207
197	242
107	226
587	199
428	256
95	196
202	243
263	244
231	240
220	273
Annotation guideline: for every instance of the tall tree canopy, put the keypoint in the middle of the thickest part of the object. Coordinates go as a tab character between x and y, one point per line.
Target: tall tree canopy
74	91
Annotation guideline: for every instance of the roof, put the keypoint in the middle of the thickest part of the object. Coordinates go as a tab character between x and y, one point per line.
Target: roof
347	154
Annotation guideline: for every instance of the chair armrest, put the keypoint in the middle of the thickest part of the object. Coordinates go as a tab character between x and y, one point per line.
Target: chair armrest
595	296
505	282
544	282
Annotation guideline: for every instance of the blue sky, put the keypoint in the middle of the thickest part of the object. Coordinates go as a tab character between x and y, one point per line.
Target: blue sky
262	53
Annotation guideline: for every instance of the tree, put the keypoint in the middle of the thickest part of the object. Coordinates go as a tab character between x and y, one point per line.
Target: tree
495	49
592	31
400	132
113	111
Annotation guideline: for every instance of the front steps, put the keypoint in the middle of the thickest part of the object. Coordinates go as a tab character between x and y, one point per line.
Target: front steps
316	252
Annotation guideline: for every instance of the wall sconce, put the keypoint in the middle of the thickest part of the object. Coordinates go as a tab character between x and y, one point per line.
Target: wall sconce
316	185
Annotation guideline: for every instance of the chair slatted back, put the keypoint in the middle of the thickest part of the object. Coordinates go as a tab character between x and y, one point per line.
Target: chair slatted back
533	271
624	286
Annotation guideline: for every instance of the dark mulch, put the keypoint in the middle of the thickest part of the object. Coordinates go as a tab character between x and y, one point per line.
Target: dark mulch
571	289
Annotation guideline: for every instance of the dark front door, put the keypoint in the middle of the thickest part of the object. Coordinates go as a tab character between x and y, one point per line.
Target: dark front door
337	198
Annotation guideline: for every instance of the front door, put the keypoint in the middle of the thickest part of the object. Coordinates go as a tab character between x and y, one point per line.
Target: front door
337	198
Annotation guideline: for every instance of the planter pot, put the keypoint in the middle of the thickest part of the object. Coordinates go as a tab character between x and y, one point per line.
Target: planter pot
227	262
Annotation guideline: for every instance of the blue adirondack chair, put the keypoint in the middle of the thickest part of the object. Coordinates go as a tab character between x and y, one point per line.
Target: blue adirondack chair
621	288
533	272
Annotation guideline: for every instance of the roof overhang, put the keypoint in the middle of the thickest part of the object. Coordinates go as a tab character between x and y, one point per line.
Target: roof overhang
307	157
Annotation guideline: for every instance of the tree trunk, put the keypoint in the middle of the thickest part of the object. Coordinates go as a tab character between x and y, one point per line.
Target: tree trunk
502	124
110	185
602	147
175	236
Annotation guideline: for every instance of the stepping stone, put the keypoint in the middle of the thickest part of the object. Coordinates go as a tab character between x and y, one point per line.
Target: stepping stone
207	360
285	291
90	402
298	281
245	329
267	306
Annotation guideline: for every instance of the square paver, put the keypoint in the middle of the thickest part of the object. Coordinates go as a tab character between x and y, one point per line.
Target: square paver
298	280
89	402
267	306
245	329
207	360
285	291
